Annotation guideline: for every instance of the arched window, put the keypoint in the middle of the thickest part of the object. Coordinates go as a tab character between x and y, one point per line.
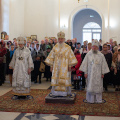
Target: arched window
91	31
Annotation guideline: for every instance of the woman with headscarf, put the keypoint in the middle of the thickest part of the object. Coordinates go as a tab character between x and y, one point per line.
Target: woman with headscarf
89	47
108	57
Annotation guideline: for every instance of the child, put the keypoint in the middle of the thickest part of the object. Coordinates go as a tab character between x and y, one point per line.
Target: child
75	70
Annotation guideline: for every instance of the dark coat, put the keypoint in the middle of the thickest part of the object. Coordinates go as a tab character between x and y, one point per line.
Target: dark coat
42	47
108	58
8	60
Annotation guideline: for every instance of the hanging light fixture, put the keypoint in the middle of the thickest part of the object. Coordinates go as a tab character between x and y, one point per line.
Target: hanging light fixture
84	1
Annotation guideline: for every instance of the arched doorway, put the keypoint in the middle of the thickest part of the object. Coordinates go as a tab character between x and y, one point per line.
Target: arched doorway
81	19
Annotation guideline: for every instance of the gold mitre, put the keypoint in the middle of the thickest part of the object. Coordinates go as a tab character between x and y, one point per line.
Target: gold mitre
20	40
61	34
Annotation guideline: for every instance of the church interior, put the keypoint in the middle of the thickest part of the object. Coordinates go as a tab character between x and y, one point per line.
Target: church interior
40	20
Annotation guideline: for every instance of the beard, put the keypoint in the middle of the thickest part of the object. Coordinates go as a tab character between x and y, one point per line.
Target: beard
60	44
94	51
21	47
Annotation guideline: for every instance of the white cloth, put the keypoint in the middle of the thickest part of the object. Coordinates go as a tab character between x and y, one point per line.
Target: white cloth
21	80
37	49
81	50
32	49
94	98
60	93
94	65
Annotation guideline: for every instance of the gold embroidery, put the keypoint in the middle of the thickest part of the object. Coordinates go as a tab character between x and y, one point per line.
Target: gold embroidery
61	59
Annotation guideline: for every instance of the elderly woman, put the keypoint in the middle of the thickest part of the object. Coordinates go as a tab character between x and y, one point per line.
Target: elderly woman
108	56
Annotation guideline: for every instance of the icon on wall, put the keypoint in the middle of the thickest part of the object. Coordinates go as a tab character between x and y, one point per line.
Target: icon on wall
4	36
34	37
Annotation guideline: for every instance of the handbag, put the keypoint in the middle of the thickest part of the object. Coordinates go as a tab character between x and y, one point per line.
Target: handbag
42	67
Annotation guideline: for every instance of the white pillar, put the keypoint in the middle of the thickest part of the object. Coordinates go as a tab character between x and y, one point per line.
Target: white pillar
108	29
59	17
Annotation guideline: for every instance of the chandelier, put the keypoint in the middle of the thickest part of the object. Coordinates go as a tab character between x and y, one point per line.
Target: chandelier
84	1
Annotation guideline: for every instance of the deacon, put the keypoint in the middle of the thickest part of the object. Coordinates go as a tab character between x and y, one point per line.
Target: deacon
22	66
61	59
94	66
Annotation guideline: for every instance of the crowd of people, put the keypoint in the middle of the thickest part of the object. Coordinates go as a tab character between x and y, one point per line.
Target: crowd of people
40	51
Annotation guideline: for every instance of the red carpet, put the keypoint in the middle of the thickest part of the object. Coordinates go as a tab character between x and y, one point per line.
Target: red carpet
38	105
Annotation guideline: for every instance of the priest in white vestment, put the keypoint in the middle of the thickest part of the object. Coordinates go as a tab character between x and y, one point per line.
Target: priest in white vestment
94	66
22	66
61	59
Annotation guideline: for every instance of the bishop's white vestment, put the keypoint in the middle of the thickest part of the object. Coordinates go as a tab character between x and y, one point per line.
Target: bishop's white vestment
60	58
20	63
94	65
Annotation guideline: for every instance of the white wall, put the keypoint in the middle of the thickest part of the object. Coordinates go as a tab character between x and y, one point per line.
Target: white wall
16	22
115	20
5	16
41	17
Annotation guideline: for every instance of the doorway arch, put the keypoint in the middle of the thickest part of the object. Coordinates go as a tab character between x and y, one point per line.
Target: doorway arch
81	18
79	9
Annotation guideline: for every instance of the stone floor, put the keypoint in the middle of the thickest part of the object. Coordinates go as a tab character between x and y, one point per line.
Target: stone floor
31	116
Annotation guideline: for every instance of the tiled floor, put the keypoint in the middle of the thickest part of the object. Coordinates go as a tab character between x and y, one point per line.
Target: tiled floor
31	116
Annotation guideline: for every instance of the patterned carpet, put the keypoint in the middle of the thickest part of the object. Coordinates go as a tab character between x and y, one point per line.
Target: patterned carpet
38	105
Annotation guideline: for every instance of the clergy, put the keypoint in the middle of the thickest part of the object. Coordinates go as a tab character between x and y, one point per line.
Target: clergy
94	66
22	65
61	59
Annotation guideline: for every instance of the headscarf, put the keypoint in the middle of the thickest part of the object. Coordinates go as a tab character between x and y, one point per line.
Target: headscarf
11	52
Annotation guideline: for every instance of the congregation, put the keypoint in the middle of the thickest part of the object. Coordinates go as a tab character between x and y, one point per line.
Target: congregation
40	51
